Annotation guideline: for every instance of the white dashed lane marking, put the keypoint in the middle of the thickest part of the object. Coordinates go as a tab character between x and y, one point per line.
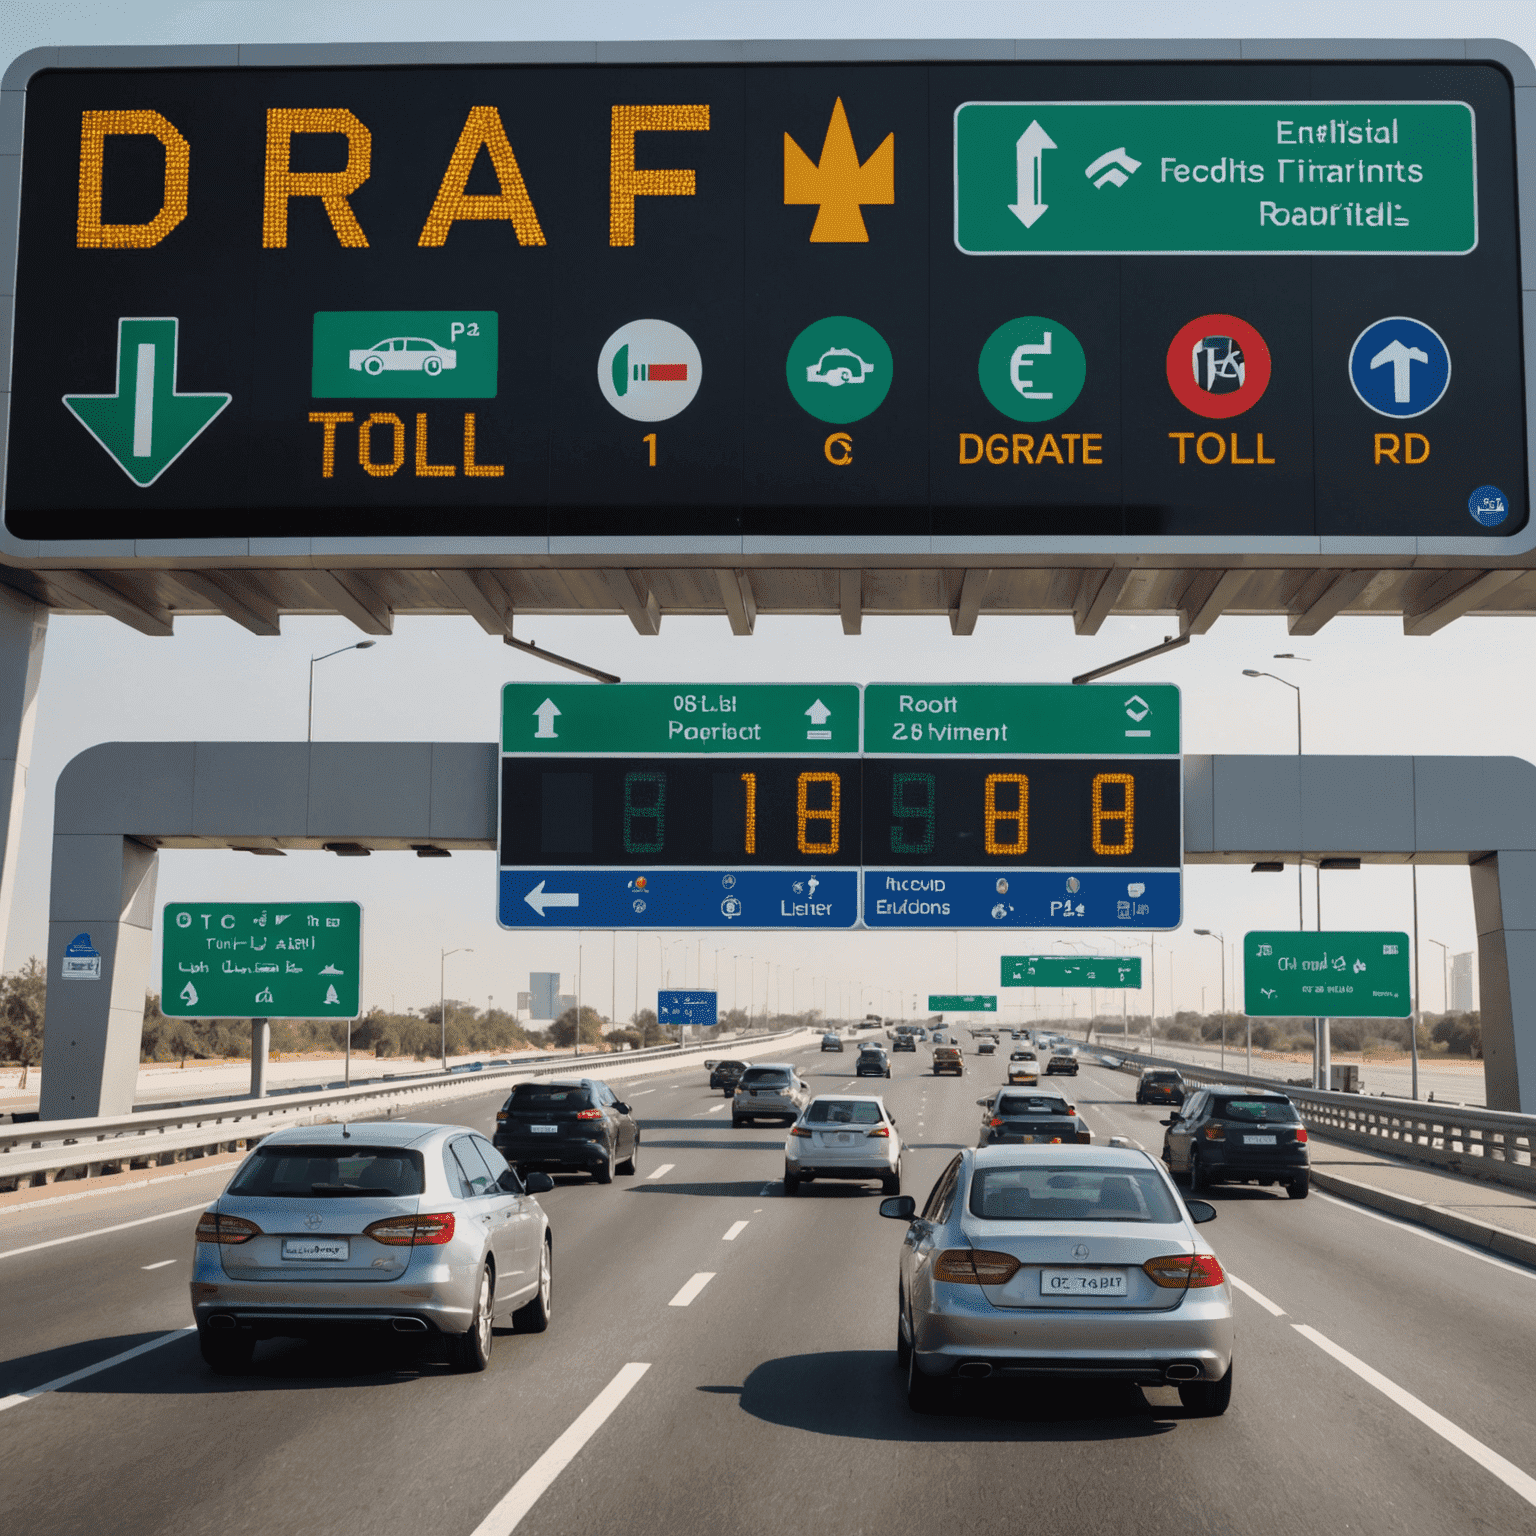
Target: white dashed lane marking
734	1231
659	1172
1257	1296
686	1296
160	1265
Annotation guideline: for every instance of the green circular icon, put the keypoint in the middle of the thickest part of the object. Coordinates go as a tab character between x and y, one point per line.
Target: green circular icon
839	369
1032	368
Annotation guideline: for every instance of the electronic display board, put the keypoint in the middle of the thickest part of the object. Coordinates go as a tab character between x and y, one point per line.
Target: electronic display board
529	303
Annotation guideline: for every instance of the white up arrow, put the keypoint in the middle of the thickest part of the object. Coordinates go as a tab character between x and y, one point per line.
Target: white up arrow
1032	145
1402	358
546	713
819	713
189	995
538	898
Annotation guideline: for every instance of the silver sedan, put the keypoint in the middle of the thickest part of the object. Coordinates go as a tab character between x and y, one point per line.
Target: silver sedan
1057	1261
408	1228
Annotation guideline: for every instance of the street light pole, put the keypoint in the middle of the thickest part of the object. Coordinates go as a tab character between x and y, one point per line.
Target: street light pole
1445	973
1221	939
361	645
442	998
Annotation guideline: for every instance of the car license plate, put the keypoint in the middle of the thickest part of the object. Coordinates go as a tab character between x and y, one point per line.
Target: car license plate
310	1249
1082	1282
845	1141
1258	1141
544	1130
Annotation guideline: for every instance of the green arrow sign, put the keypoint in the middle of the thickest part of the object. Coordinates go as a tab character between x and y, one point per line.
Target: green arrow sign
1215	177
1072	971
1326	975
945	1002
276	960
145	423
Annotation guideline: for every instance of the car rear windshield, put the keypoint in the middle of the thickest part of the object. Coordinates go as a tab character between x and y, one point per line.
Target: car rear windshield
300	1172
1027	1104
765	1077
842	1112
1040	1192
550	1096
1163	1077
730	1066
1257	1111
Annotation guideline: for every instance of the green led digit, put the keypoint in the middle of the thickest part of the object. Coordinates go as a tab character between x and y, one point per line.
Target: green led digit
921	785
655	811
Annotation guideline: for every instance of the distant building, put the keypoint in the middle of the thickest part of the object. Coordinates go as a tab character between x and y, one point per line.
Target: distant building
1461	983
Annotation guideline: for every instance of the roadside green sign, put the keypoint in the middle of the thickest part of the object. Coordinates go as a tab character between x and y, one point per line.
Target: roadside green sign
1215	177
404	354
946	1002
644	719
275	960
1020	719
1326	975
839	369
1072	971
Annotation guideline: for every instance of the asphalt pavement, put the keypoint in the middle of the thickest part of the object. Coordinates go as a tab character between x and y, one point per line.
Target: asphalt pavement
721	1360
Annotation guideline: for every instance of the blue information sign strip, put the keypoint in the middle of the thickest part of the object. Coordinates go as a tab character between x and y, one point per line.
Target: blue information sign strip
687	1008
679	898
1033	898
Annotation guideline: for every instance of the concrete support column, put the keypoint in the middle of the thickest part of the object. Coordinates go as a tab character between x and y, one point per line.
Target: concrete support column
103	888
23	628
261	1044
1504	904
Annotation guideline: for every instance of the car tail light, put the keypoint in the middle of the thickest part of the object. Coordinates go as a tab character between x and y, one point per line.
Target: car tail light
589	1114
214	1228
798	1130
995	1120
975	1266
501	1116
1215	1133
412	1231
1071	1109
1301	1135
879	1130
1184	1271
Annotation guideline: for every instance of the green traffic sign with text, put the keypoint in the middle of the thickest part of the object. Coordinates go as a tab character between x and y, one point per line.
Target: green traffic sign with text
1215	178
1022	719
1326	975
949	1002
404	354
648	719
275	960
1072	971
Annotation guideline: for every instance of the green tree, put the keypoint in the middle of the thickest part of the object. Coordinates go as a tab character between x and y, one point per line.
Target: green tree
23	998
563	1031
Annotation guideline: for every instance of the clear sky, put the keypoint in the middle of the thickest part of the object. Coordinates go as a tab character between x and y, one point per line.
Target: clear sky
1367	688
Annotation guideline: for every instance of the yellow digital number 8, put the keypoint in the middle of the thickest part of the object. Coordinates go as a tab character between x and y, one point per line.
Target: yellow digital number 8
1126	817
1019	817
804	814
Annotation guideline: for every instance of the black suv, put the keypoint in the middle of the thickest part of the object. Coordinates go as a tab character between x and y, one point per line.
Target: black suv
904	1043
726	1075
1160	1085
1238	1135
578	1124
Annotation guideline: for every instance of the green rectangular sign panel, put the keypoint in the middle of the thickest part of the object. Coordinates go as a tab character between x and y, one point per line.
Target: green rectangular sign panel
1072	971
1326	975
404	354
1021	719
1215	178
947	1002
650	719
275	960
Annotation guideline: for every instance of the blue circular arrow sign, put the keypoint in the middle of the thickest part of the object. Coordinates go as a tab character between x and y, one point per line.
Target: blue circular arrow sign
1399	367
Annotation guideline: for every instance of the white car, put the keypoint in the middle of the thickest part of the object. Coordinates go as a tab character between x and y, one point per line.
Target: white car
407	354
838	366
843	1136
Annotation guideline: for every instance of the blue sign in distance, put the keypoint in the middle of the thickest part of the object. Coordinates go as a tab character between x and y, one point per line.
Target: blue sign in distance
1399	367
696	1007
1488	506
679	898
1041	898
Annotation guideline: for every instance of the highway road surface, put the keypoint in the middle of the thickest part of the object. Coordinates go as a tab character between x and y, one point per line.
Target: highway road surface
721	1361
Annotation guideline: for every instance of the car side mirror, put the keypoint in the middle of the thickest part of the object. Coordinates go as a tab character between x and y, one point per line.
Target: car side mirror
1171	1120
899	1208
981	1103
622	1107
1200	1211
537	1183
509	1183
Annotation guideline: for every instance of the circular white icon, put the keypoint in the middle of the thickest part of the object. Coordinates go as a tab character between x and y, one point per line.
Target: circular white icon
649	370
638	904
730	907
1074	885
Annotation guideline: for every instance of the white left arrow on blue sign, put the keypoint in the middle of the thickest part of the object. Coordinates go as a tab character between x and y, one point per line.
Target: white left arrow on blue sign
538	898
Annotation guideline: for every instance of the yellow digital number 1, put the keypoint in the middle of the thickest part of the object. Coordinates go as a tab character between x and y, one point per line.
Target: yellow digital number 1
650	438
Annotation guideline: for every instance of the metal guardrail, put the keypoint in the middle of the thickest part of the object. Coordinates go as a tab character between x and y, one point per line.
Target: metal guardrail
1474	1143
43	1151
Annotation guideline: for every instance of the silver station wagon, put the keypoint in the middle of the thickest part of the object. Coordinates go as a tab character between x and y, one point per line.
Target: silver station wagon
1060	1261
409	1228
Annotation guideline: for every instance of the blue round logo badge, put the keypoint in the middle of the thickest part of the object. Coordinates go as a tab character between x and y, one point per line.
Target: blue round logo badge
1488	506
1399	367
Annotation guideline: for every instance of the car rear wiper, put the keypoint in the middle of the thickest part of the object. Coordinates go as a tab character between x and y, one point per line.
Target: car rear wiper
334	1191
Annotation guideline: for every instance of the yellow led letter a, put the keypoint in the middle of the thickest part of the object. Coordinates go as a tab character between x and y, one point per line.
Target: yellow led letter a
625	183
483	127
839	183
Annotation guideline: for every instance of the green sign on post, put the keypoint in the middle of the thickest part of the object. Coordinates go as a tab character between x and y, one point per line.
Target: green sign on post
1072	971
945	1002
1326	975
1120	178
275	960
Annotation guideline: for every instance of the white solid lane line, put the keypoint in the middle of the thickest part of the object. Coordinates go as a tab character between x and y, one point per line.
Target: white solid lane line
160	1265
692	1289
642	1093
122	1226
17	1398
657	1173
525	1492
1424	1232
1490	1461
1257	1296
736	1229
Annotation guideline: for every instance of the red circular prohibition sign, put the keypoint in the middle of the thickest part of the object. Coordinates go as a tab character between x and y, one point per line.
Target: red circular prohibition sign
1181	376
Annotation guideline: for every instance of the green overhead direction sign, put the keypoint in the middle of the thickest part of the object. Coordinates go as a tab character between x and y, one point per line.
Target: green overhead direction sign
1326	975
275	960
645	719
1215	178
1072	971
949	1002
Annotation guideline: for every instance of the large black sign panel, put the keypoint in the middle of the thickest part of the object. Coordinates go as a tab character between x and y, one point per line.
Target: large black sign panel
833	299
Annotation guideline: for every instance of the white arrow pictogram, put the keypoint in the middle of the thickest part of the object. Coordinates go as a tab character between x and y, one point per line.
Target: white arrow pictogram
1032	145
819	713
538	898
189	995
1402	359
546	713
